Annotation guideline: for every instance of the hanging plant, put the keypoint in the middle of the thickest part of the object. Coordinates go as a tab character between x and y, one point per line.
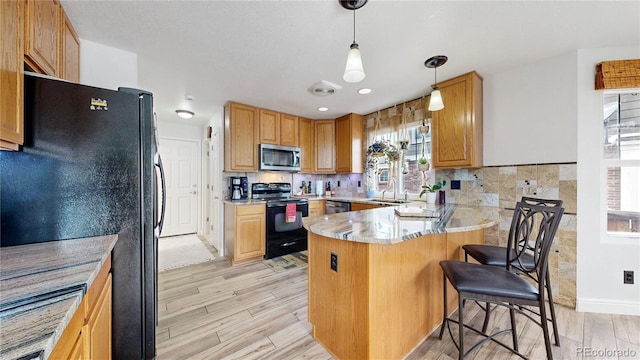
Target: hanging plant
379	146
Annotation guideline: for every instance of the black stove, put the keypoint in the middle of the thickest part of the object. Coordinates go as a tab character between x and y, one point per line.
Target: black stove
275	194
284	234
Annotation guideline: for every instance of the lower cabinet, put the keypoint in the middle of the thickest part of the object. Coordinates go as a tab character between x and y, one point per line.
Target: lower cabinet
88	334
316	207
244	232
356	206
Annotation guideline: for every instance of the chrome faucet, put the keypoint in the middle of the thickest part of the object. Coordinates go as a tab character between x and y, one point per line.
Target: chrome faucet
383	193
392	181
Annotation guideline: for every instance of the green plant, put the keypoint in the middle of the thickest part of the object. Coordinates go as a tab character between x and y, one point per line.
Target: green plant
422	160
434	187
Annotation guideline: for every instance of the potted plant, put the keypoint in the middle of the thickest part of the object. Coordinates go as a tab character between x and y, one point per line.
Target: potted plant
430	190
423	164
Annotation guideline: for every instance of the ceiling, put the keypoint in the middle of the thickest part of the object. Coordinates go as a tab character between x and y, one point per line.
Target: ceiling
270	53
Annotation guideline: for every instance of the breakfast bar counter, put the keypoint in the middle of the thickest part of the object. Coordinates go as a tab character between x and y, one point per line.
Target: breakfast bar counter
375	284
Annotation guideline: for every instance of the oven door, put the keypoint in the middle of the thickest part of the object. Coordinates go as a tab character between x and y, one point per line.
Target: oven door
285	237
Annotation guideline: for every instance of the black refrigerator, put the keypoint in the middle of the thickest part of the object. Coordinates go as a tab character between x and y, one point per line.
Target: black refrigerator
89	166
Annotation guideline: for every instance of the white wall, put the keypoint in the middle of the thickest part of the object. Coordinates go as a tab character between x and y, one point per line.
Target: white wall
180	131
530	113
601	261
107	67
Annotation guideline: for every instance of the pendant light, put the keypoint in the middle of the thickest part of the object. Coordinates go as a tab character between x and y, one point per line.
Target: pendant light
435	102
353	71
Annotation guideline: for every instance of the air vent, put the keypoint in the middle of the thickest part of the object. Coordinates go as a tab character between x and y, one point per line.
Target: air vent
324	88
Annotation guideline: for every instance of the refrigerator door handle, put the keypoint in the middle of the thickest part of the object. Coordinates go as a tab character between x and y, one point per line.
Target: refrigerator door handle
158	164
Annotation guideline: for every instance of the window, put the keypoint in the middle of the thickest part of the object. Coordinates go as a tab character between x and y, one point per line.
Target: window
407	174
621	154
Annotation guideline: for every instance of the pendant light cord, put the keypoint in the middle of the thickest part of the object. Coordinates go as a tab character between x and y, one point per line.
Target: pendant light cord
354	26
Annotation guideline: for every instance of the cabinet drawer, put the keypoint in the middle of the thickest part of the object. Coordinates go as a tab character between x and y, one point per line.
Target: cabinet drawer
249	210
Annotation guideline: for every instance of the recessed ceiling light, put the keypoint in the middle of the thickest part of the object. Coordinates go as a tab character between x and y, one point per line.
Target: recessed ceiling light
322	108
364	91
185	114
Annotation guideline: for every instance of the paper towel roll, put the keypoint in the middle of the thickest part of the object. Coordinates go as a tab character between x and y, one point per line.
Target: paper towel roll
319	187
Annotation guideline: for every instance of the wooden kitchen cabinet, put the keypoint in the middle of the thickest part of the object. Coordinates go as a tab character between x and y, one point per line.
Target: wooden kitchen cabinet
307	145
98	320
456	131
88	334
278	129
69	50
269	127
11	81
241	136
289	130
244	232
42	36
316	207
325	146
349	133
356	206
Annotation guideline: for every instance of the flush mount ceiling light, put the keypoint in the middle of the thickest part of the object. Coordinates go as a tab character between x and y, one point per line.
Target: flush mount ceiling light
353	72
185	114
435	103
323	109
364	91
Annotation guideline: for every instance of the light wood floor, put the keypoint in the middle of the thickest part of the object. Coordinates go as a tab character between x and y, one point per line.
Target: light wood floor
215	311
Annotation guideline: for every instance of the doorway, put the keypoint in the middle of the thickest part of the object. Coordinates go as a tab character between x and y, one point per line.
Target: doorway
181	159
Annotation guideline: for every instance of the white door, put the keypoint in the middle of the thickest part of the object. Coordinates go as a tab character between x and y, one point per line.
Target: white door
181	160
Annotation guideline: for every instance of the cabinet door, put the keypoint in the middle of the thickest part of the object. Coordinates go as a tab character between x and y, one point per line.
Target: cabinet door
69	51
42	36
307	143
288	130
241	138
269	127
11	81
250	233
457	129
325	146
349	130
98	327
316	207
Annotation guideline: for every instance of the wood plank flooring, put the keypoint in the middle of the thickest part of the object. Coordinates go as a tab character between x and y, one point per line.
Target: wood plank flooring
215	311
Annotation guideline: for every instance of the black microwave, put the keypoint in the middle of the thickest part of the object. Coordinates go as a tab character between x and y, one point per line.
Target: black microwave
279	158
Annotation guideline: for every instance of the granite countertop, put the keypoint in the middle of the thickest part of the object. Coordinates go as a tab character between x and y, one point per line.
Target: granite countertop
41	287
384	226
245	202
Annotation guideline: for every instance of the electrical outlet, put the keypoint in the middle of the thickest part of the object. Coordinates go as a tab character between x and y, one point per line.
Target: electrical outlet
334	262
628	277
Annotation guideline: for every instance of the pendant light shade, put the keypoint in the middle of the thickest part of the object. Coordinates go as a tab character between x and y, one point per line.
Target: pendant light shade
353	71
435	102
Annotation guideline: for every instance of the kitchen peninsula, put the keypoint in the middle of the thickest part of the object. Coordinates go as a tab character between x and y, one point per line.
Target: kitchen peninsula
375	285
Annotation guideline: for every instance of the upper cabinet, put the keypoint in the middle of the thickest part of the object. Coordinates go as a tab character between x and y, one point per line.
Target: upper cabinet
457	129
325	146
349	130
69	50
51	45
42	41
307	146
269	127
241	135
289	130
11	81
278	129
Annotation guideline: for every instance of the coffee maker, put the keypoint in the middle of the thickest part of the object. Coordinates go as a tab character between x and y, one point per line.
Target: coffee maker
238	187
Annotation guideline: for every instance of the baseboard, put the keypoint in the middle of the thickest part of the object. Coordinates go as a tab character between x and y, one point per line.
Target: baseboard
608	306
